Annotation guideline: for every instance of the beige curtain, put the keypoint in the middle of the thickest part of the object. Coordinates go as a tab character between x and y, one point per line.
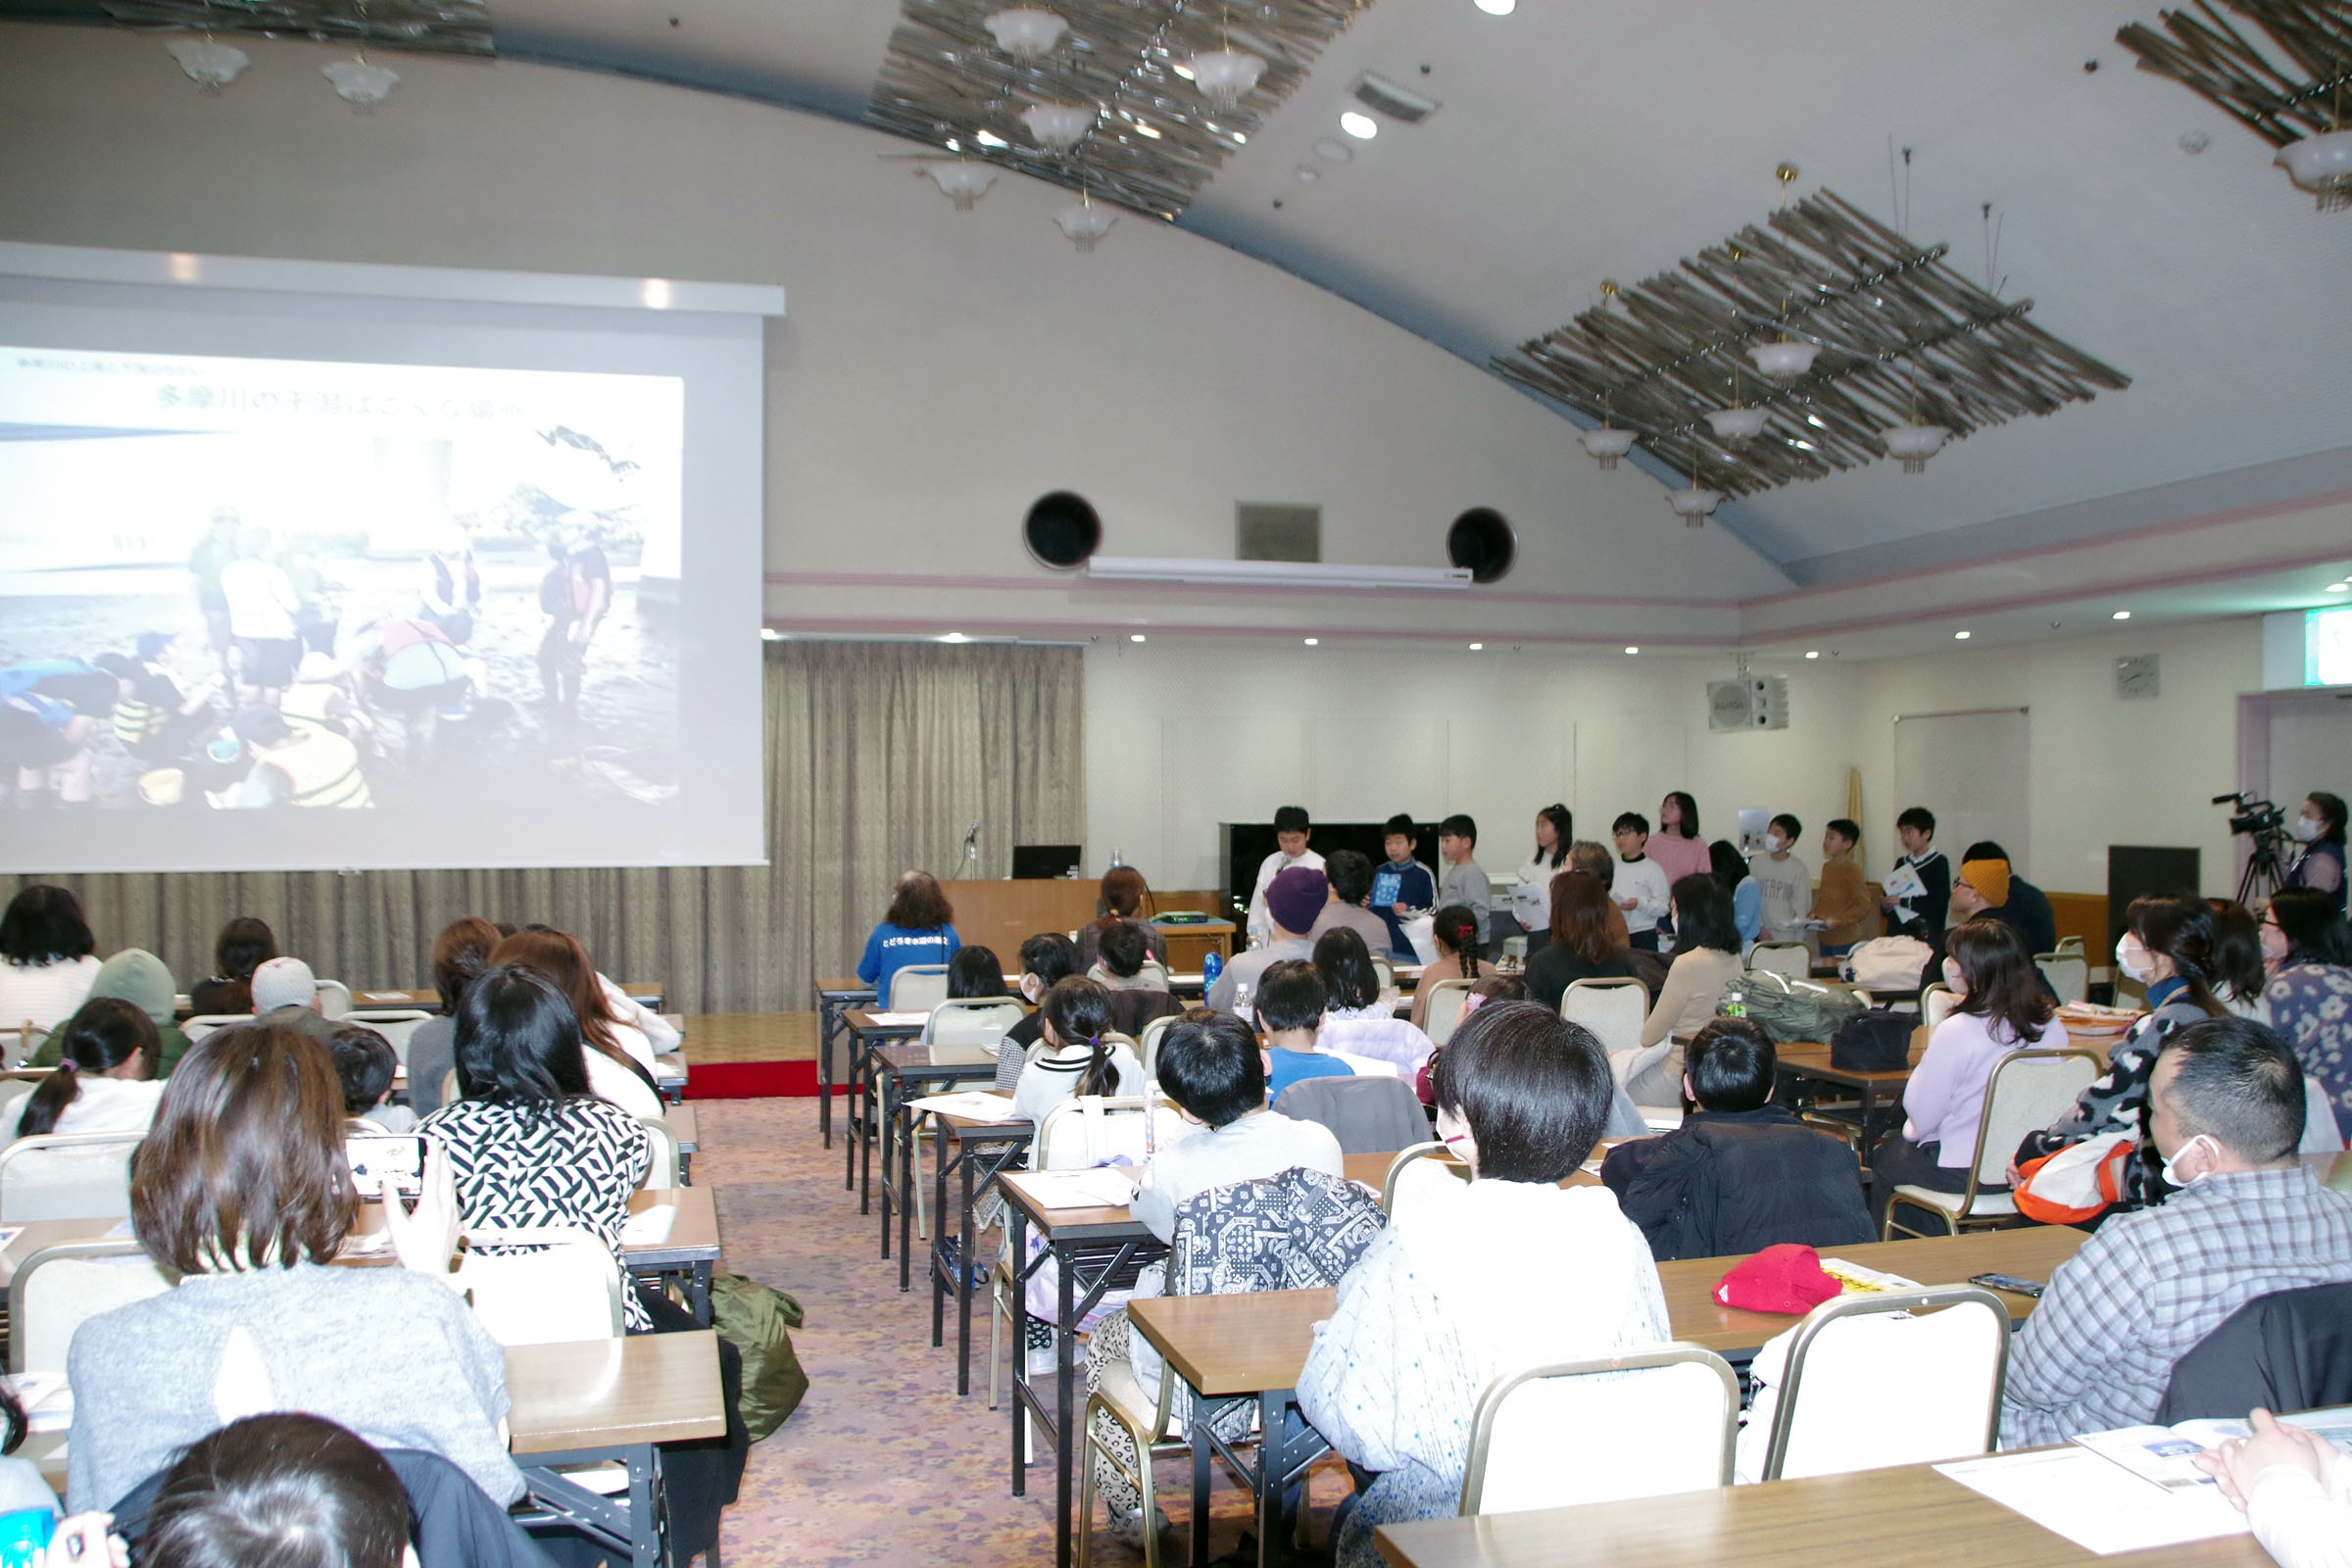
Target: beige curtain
878	757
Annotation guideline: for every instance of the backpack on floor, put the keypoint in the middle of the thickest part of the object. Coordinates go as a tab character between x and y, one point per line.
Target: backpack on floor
757	1320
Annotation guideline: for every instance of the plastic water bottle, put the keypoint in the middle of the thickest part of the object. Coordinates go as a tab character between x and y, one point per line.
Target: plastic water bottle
1213	964
1734	1006
1116	860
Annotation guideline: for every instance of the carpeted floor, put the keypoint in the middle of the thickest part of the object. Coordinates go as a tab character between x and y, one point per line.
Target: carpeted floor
882	1463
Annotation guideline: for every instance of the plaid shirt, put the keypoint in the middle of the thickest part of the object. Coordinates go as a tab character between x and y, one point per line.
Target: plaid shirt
2098	1352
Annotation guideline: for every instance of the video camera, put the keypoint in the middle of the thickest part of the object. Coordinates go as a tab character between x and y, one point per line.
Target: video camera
2257	817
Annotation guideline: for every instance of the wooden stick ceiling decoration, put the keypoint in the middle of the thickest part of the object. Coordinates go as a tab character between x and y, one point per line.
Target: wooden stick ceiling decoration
1878	339
2285	75
435	26
1122	98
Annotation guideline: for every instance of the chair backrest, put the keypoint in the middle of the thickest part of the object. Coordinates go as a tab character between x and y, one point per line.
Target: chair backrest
13	1090
2030	1089
1938	1356
1613	1008
1368	1115
1148	1049
203	1023
1386	972
1790	958
19	1040
1444	1008
67	1176
1155	975
1638	1425
57	1288
335	998
919	988
2322	1134
1935	1004
2068	973
662	1171
970	1028
1089	1129
566	1288
1415	1171
1300	1230
2287	1351
2071	944
395	1024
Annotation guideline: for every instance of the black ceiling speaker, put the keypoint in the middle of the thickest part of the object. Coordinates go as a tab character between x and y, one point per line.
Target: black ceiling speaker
1061	530
1480	541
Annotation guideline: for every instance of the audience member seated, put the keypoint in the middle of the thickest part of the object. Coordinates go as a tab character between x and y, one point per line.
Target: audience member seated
245	944
460	952
2167	947
2020	902
1583	945
2309	949
106	1081
1359	1019
1135	999
47	960
1598	862
284	991
138	977
616	1071
919	928
2002	1008
1080	1057
1350	876
1741	886
531	1145
242	1188
1506	1271
1291	1004
620	1014
286	1490
1461	944
365	1063
1740	1174
1046	959
1706	958
1293	898
2237	974
1209	1064
1844	898
2226	1111
2295	1488
1121	901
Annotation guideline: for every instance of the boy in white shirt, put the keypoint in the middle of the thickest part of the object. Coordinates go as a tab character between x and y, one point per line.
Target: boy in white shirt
1638	885
1290	832
1785	880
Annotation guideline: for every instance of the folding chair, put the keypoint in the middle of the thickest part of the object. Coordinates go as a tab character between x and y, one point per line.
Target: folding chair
566	1288
203	1025
60	1287
1416	1172
335	998
1615	1010
2068	973
1935	1004
2030	1089
1442	1012
1147	1050
1935	1356
1639	1425
662	1171
919	988
67	1176
395	1024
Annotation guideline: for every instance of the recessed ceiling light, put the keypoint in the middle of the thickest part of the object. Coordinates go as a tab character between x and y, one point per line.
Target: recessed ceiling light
1313	641
1333	150
1363	128
1134	636
1631	650
770	634
1475	647
1959	636
989	138
1812	653
1308	174
2341	587
955	637
2121	614
1498	8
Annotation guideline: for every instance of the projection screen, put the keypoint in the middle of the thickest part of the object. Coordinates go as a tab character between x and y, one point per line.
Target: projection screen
305	565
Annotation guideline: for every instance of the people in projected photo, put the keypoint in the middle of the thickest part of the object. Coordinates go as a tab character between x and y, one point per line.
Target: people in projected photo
575	595
452	592
315	611
323	697
49	710
261	608
213	555
154	719
295	766
409	676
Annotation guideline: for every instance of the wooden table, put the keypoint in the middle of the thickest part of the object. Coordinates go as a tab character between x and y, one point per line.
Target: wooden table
611	1399
1001	914
894	1069
835	997
429	997
1811	1061
1906	1514
1095	1249
1188	944
868	1033
983	1152
669	1077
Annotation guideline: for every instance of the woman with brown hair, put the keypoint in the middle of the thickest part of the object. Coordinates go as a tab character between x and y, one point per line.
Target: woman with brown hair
1585	944
920	929
460	952
242	1188
1125	899
619	1062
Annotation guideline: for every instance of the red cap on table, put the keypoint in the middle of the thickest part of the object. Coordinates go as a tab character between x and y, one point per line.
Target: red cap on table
1779	1279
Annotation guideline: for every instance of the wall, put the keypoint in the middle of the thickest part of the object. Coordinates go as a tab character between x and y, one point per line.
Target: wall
937	371
1182	735
2102	769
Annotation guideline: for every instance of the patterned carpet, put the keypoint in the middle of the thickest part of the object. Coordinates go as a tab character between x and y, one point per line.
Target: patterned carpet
882	1463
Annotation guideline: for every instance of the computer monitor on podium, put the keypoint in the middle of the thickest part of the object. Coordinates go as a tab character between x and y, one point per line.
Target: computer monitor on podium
1044	860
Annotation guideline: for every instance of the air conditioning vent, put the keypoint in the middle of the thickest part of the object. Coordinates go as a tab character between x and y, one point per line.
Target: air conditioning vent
1381	94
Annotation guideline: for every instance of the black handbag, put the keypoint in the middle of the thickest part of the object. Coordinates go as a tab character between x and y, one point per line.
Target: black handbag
1874	1042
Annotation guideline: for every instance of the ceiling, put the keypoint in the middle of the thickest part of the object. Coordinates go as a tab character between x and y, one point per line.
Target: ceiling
1584	140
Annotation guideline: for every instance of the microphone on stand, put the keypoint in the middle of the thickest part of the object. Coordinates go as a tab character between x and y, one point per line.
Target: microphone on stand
971	846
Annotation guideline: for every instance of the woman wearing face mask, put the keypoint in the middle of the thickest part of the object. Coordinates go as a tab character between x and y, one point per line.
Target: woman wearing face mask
2003	1009
2309	949
2320	828
2167	946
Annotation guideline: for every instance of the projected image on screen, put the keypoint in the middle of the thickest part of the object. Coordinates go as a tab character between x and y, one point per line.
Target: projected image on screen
232	584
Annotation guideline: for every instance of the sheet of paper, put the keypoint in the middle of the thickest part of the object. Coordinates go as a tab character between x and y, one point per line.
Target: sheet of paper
974	1104
1903	883
2099	1507
9	1234
899	1019
1856	1278
1097	1187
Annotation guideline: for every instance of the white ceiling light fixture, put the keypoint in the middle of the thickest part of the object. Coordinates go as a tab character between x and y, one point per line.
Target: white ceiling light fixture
1025	32
1498	8
1134	636
1362	126
2121	614
2323	166
1787	358
1694	503
2339	587
1738	425
1812	653
1960	636
1914	443
1313	642
1607	444
359	82
1223	74
962	181
1083	222
1057	127
210	63
955	637
1476	647
1631	650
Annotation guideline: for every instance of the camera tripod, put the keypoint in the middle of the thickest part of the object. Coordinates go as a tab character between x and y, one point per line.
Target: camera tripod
2266	873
